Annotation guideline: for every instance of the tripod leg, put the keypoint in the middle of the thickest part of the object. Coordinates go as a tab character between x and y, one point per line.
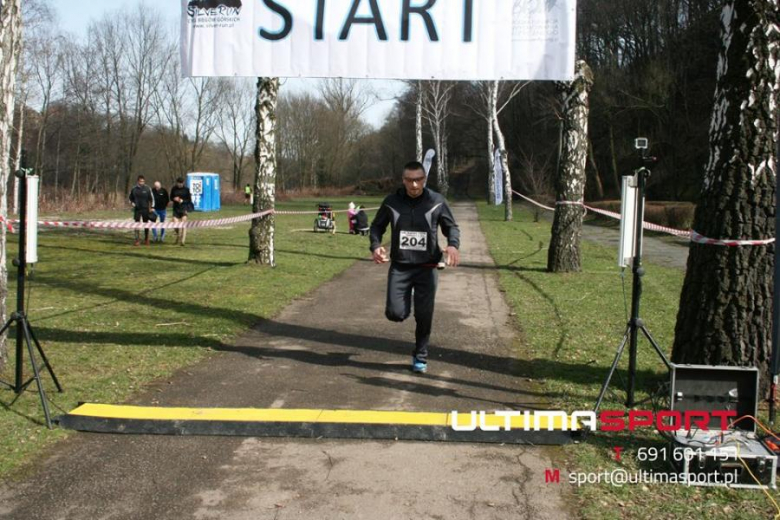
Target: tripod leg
612	370
656	347
7	325
45	359
41	392
2	331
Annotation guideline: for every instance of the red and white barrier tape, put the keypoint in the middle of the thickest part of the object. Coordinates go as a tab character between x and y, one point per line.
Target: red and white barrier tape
532	201
190	224
693	236
317	212
123	224
699	239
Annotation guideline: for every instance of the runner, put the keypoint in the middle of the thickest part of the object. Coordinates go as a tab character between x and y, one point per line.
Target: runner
142	199
182	204
414	214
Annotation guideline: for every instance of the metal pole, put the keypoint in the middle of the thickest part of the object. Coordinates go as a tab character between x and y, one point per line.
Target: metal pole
636	294
21	270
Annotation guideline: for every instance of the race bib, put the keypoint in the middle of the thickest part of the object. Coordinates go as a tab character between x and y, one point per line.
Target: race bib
414	240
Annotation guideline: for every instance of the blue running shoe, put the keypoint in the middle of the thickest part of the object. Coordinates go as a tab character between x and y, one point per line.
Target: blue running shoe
419	367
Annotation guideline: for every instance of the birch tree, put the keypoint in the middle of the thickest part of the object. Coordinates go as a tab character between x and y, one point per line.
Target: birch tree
419	99
564	252
261	234
436	109
504	156
488	100
726	303
10	47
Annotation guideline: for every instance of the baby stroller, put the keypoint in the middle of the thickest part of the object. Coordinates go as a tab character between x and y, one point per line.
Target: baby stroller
326	220
360	223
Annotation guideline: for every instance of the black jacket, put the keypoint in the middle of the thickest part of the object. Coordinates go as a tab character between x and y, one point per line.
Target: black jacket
186	199
161	199
142	197
415	224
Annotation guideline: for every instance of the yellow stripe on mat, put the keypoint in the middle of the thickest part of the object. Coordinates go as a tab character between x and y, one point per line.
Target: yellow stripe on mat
146	413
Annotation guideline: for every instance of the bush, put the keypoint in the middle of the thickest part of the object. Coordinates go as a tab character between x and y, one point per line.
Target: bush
680	216
677	215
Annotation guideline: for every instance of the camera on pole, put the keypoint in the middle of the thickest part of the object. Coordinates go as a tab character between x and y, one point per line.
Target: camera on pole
28	255
630	253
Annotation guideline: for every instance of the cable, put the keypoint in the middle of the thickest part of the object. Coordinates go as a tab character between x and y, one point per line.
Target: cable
625	298
29	288
759	423
761	486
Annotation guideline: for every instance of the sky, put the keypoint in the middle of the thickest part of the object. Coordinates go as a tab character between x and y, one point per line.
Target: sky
75	16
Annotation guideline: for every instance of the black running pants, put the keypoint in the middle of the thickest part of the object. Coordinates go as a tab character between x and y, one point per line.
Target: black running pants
403	281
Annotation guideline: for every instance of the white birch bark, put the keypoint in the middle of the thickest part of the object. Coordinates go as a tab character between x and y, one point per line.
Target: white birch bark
564	253
261	235
10	46
418	121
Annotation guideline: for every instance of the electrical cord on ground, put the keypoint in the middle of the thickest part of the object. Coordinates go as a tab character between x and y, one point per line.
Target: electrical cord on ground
763	487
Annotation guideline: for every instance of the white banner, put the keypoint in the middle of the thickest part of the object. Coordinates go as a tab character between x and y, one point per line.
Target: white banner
428	161
382	39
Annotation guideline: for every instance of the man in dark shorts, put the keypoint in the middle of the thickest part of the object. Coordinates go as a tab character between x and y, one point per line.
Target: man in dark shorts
182	201
161	200
142	199
414	214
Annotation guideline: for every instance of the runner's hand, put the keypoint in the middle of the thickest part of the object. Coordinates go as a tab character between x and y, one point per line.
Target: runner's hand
380	255
453	256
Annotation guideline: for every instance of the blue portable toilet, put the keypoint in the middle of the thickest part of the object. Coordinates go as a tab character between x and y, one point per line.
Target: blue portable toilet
205	189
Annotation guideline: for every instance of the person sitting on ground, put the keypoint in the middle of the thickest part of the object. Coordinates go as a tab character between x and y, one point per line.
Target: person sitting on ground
161	200
142	199
182	204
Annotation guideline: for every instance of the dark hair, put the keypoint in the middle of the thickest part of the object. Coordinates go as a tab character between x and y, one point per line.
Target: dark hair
179	180
141	177
414	166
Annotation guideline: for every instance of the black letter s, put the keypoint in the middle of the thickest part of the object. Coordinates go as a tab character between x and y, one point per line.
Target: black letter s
286	17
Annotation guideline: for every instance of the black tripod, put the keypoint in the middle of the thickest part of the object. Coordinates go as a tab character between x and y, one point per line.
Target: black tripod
635	324
24	331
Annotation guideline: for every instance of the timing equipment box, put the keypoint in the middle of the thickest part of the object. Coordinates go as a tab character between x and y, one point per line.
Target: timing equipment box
728	464
713	388
716	457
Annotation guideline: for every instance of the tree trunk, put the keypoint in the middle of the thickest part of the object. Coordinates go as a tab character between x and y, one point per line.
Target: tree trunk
508	216
19	146
725	312
261	235
596	174
613	157
564	253
492	100
418	122
10	46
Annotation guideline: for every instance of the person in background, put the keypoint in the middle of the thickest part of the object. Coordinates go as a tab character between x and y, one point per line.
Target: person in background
161	200
248	194
351	212
142	199
182	203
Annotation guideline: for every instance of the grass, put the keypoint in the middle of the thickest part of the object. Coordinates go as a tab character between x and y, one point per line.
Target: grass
571	326
113	317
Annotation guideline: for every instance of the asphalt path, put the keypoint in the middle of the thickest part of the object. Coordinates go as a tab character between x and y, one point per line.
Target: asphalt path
332	349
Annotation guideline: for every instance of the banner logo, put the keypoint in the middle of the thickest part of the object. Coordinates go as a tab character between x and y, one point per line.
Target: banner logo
205	14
